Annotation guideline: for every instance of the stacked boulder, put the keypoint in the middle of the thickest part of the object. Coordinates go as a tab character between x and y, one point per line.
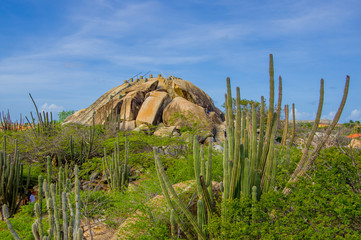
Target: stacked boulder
151	101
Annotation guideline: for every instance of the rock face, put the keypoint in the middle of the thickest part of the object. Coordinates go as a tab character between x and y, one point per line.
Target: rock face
183	113
151	101
152	108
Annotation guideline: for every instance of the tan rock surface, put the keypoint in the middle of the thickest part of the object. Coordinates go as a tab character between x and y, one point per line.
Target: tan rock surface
84	116
152	108
181	112
144	87
194	94
130	105
145	100
165	131
355	143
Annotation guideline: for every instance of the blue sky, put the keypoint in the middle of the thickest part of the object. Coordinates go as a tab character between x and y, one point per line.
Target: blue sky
68	53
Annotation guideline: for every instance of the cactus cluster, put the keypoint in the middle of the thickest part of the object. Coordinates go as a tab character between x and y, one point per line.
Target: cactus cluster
12	188
115	170
62	226
205	203
249	158
86	146
45	125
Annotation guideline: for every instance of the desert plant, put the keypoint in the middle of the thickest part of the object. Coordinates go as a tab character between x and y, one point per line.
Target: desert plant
12	188
61	226
115	169
250	161
45	125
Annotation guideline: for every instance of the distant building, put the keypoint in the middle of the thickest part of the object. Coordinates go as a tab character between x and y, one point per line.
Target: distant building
355	135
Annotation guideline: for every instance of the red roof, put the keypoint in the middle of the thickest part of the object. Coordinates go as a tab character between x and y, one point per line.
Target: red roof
355	135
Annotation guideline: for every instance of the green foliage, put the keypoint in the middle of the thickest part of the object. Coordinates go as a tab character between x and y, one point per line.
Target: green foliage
22	222
64	114
89	167
245	104
325	205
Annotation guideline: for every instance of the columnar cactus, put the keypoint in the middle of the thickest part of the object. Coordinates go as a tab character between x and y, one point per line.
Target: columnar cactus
249	159
285	126
117	170
5	213
60	228
12	189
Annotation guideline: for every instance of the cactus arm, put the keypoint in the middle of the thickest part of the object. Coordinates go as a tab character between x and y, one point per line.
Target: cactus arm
167	197
206	197
65	216
200	218
39	220
270	114
237	141
172	224
197	170
312	133
245	178
230	128
209	172
293	125
285	127
253	147
315	153
48	168
77	202
5	212
177	200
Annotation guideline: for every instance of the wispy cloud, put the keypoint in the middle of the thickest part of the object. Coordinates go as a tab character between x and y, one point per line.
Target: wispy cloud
355	115
302	115
330	115
106	40
51	108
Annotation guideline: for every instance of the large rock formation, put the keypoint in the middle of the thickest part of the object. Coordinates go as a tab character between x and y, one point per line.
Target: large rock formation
153	100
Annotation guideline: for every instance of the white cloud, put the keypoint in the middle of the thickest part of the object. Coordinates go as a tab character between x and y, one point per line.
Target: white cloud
355	115
302	115
51	108
329	116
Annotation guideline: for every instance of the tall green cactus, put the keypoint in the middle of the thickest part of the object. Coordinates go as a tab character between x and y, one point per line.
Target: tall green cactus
249	158
60	228
12	188
307	160
253	160
45	125
116	170
5	213
285	126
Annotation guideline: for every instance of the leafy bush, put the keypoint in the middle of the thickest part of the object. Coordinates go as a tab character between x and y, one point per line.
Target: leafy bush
64	114
324	205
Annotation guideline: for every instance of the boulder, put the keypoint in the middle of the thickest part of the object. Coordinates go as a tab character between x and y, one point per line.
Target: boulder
85	116
220	130
355	143
130	105
194	94
127	125
142	128
145	101
152	108
165	131
183	113
144	87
